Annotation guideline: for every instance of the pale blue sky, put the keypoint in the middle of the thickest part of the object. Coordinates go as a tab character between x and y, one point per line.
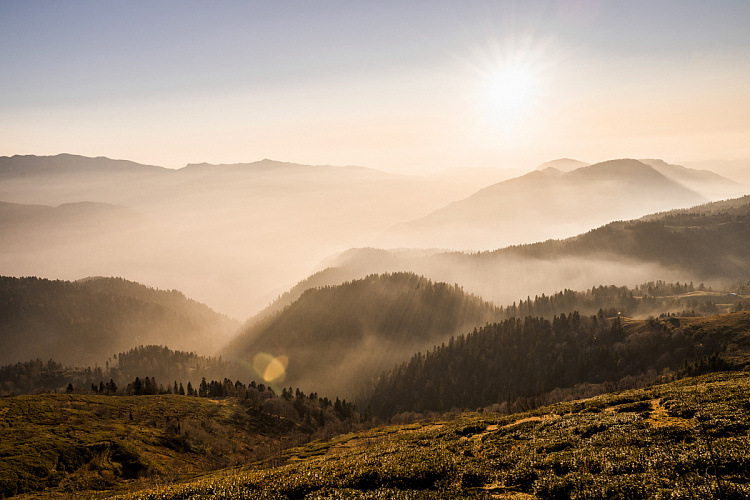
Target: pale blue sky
388	84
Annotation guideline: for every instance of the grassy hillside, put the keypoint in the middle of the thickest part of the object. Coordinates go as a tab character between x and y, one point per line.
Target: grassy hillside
687	439
64	445
86	322
333	339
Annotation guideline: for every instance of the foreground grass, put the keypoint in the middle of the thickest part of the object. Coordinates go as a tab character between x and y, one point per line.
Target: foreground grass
72	445
688	439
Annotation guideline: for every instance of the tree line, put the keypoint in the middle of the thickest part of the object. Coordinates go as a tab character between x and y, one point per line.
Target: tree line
311	410
158	362
520	358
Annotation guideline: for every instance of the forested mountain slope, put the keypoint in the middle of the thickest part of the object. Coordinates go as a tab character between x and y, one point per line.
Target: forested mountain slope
706	242
528	357
88	321
335	338
159	363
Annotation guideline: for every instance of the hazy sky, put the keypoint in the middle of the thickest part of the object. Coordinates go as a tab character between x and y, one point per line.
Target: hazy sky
397	85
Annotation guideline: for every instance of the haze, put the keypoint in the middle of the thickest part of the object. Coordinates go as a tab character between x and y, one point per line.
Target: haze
245	119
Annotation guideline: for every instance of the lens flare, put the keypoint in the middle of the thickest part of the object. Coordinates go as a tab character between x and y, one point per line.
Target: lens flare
272	369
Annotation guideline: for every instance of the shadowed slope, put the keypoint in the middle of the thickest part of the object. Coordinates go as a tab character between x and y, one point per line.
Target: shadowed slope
86	322
336	338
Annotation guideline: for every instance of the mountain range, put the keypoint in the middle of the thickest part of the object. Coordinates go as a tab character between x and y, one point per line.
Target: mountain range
233	235
550	203
238	235
172	239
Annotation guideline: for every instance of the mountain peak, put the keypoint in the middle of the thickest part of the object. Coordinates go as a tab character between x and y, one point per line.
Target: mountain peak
622	169
563	165
67	163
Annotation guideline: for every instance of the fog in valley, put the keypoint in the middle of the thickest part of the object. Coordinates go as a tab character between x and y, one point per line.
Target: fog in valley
237	236
249	240
232	236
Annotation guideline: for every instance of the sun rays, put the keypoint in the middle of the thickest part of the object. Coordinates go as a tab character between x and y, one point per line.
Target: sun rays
509	80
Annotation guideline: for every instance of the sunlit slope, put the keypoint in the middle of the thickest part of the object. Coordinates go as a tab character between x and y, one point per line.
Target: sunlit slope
86	322
335	339
521	358
687	439
547	204
61	445
67	178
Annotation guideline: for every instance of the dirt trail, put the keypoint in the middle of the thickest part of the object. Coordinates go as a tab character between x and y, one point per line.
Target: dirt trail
532	419
660	418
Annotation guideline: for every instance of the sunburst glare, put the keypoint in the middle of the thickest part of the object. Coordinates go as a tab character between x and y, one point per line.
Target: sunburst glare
511	90
509	82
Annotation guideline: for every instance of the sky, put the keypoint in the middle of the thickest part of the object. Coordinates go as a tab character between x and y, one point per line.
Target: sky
415	86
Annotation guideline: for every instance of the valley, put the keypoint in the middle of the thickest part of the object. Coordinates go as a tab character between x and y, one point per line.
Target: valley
114	387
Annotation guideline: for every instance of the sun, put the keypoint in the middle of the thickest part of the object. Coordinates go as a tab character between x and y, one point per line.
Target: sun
509	82
510	90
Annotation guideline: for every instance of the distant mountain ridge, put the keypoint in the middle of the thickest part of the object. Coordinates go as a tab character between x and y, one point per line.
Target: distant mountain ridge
545	204
563	164
45	226
234	236
65	163
269	165
710	184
